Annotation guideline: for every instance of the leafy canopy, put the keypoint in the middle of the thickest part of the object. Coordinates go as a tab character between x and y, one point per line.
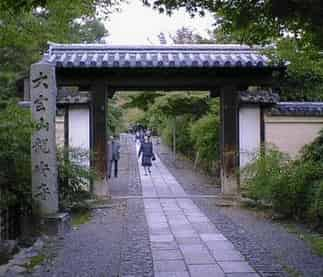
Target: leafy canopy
174	104
257	21
27	26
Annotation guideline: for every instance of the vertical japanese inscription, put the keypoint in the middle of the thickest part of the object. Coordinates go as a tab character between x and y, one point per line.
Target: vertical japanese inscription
43	148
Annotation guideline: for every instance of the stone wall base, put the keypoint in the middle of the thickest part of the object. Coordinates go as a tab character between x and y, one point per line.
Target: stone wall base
55	225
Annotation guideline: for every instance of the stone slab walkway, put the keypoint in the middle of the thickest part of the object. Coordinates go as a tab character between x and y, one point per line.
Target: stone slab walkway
184	242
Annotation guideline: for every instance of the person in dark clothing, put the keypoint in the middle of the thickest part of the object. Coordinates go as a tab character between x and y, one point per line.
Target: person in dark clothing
113	156
141	136
146	149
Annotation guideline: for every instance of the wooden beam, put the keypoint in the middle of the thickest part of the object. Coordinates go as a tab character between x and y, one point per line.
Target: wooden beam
168	80
99	143
229	140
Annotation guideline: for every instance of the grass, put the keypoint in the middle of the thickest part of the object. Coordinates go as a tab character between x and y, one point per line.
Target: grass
291	271
314	240
35	261
79	218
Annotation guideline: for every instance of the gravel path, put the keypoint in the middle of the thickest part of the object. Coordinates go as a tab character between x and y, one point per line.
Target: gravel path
115	242
191	180
269	247
91	250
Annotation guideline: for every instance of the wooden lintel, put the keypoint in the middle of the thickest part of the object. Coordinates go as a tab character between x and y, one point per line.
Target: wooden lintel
169	80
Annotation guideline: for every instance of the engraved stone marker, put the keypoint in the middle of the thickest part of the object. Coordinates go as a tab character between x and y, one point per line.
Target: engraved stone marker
43	149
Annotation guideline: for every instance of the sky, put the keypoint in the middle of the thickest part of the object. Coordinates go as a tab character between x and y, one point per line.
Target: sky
137	24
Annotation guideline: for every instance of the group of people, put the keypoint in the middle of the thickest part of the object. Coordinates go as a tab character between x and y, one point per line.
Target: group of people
143	140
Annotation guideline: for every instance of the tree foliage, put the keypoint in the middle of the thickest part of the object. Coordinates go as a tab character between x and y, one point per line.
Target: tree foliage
26	26
257	21
142	100
185	35
174	104
303	80
205	136
114	117
16	128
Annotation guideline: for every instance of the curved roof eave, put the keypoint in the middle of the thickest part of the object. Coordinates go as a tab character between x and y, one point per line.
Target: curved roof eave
157	56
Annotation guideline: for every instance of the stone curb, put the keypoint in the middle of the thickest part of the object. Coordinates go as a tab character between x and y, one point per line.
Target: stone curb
17	265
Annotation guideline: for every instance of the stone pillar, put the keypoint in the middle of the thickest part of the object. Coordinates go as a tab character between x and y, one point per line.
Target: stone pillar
229	140
43	149
99	139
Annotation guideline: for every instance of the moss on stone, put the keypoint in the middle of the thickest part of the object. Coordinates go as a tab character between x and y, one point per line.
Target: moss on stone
80	218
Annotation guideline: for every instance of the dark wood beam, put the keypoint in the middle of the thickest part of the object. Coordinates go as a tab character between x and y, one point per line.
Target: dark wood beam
99	140
205	79
229	140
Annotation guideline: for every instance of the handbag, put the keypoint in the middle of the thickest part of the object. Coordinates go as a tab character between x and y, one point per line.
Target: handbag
153	158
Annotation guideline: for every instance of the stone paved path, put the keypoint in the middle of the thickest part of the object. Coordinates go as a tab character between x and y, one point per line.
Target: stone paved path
184	242
168	224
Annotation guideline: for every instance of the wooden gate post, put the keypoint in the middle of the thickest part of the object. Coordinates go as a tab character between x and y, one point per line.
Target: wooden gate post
229	140
99	138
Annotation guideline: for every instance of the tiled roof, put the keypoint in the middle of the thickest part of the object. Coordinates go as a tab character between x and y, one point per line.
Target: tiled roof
148	56
259	97
298	109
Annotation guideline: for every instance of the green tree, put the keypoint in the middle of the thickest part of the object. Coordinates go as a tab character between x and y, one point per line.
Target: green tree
114	117
205	137
16	128
293	27
27	26
142	100
303	80
257	21
185	35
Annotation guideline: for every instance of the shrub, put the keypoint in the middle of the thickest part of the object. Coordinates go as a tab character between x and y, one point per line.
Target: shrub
291	192
183	139
314	150
16	127
317	204
263	172
205	136
74	178
291	186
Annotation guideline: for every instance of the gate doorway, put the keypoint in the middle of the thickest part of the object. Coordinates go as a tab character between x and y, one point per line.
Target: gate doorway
222	70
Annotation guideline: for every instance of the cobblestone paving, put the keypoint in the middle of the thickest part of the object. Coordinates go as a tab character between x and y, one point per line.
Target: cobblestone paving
183	240
267	245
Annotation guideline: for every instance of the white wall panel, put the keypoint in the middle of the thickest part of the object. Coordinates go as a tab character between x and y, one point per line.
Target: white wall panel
79	128
249	133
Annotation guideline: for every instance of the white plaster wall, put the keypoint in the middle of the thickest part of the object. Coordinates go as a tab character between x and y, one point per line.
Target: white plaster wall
249	133
60	131
291	133
79	129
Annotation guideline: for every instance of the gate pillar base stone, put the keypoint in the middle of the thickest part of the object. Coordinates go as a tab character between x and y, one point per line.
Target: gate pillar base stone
55	224
101	188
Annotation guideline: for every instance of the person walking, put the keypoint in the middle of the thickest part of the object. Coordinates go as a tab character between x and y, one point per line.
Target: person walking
148	133
146	150
141	136
114	156
137	137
